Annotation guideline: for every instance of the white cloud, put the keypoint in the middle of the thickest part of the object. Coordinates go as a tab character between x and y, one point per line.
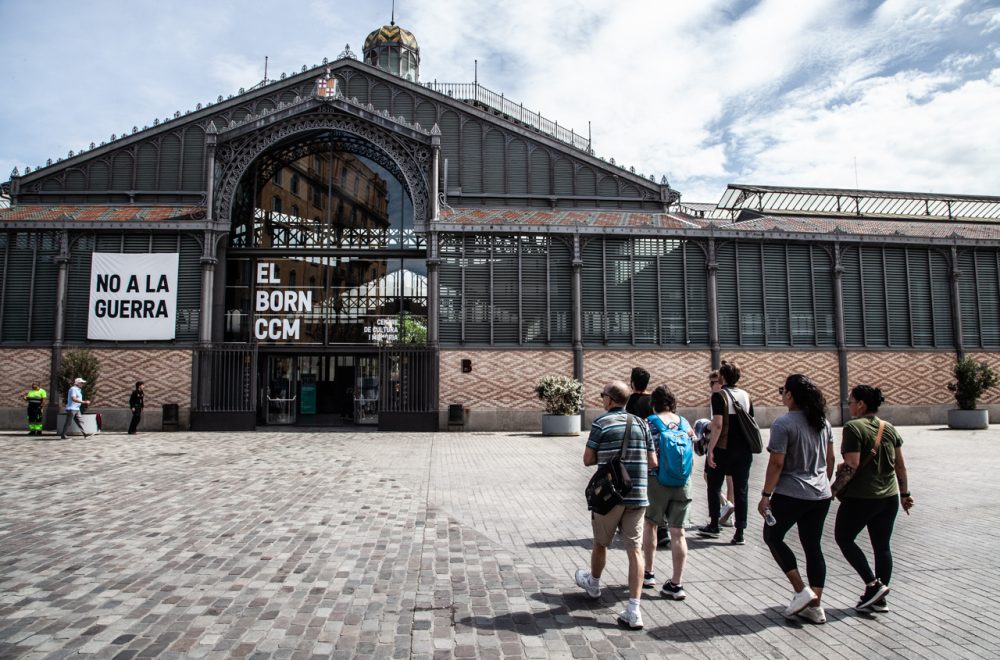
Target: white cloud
778	92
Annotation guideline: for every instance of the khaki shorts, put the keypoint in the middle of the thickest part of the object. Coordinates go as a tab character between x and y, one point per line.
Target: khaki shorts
627	521
668	505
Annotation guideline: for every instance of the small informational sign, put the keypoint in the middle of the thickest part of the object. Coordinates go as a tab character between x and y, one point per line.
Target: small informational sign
132	296
307	398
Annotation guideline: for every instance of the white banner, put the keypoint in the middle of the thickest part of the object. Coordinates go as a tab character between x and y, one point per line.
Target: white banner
133	296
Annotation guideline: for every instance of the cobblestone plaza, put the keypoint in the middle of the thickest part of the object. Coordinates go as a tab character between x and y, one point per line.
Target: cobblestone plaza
306	544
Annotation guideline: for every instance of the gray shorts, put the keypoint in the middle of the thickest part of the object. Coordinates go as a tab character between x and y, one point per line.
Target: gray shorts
668	505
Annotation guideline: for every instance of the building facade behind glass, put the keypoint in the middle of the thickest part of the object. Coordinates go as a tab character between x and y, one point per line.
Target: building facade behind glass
356	247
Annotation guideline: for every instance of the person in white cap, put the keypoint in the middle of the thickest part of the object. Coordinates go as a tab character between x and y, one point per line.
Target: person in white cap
73	401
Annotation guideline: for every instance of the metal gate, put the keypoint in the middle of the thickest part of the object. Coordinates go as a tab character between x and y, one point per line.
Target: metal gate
408	400
224	388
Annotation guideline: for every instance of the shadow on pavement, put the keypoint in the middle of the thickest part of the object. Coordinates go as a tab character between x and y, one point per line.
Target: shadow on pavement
564	543
538	623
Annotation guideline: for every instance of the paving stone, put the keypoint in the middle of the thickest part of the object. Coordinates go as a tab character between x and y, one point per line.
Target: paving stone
246	545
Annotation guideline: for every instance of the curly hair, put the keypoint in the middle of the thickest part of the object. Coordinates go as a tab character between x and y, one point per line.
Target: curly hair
663	399
869	395
809	398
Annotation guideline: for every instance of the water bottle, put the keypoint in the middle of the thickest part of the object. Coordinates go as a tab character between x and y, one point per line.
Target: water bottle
769	518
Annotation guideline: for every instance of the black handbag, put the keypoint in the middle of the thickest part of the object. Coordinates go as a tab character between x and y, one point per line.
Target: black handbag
611	483
747	424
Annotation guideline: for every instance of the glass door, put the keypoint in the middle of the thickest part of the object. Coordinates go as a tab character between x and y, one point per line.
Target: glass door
366	390
280	390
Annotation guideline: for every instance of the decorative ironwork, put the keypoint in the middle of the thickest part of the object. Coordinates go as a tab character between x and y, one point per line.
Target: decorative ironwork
347	53
477	95
407	159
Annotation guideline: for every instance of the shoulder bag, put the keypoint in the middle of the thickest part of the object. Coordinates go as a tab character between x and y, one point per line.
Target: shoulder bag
611	483
747	424
845	472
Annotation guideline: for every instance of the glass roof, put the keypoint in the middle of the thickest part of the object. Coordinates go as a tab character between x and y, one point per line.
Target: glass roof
866	203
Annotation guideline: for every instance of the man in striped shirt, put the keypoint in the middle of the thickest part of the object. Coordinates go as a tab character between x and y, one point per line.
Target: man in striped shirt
606	436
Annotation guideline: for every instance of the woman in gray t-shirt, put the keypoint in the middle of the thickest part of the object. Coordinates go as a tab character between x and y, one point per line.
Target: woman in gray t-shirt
797	490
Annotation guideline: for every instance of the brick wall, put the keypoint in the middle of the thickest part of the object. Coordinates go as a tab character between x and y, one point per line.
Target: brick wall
905	378
499	379
684	372
20	367
167	374
763	372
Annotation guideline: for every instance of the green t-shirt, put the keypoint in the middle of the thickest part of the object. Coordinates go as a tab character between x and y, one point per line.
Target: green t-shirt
877	479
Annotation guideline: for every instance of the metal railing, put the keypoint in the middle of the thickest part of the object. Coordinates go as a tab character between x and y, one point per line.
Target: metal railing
476	94
225	377
407	379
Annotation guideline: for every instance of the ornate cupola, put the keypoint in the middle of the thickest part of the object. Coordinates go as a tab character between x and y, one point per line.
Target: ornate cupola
395	50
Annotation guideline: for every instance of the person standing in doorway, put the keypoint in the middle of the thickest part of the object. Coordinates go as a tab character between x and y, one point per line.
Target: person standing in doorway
36	403
74	398
608	434
135	404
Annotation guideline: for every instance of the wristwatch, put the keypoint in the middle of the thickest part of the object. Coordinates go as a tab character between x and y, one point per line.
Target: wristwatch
764	493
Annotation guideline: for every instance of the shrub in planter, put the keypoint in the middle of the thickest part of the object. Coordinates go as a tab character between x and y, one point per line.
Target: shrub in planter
79	364
562	395
972	379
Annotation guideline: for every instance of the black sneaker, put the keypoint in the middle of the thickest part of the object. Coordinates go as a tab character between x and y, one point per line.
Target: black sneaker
873	593
879	606
672	591
738	538
662	537
648	580
709	531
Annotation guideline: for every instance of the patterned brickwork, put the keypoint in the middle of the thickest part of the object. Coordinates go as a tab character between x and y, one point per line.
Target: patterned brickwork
167	375
764	372
499	379
992	359
685	372
20	367
906	379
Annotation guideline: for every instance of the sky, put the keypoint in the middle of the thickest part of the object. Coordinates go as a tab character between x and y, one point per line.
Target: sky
895	95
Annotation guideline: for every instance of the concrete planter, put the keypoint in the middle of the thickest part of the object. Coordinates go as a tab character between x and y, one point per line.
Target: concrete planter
969	419
560	425
89	424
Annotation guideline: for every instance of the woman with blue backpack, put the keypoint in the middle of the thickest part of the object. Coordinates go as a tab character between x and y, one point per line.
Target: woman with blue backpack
667	489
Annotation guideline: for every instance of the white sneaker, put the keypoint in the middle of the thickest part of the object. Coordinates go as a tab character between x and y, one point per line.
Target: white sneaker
586	581
725	514
799	602
814	614
630	620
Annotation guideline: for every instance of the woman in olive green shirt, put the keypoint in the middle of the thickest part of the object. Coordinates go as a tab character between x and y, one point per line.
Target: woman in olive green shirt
873	497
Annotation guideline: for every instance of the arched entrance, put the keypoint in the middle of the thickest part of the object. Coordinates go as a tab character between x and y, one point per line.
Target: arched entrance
325	276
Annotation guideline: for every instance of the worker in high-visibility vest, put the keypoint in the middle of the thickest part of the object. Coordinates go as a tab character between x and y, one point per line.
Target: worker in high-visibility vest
36	403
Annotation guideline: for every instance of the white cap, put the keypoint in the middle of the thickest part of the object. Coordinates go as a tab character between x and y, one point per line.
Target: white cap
78	381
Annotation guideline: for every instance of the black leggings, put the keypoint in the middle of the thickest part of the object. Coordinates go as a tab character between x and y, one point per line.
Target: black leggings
878	516
737	466
810	516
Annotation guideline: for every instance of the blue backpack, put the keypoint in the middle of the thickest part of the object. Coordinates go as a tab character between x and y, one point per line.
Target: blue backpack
674	450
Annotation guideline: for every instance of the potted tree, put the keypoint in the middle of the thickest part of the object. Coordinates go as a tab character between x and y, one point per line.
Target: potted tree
563	397
971	380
